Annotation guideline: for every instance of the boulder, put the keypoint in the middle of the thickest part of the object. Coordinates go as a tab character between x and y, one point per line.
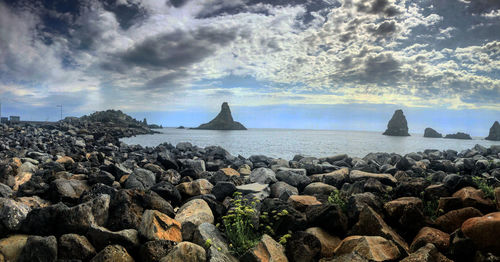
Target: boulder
283	190
186	252
397	126
328	242
484	231
140	179
154	251
335	178
319	188
427	253
302	246
263	175
113	253
195	188
73	246
429	132
372	248
258	189
12	214
370	223
293	177
39	249
192	214
494	134
158	226
266	250
12	247
223	121
102	237
68	189
329	217
431	235
387	179
208	236
223	189
454	219
302	202
472	197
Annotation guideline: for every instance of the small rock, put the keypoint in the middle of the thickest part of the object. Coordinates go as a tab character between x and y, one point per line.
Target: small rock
283	190
229	172
303	246
427	253
223	189
12	214
140	179
387	179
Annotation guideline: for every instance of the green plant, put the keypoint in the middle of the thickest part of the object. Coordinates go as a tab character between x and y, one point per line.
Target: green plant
339	199
284	238
431	208
239	225
482	184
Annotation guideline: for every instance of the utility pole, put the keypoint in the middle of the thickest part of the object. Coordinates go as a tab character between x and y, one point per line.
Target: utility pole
61	109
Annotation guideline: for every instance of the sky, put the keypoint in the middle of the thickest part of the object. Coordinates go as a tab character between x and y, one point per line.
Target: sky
321	64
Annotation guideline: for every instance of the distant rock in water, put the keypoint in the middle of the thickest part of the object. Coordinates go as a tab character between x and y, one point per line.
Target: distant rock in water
181	127
429	132
494	132
397	126
223	121
458	135
113	117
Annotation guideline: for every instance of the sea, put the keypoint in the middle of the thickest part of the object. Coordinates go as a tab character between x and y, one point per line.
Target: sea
286	143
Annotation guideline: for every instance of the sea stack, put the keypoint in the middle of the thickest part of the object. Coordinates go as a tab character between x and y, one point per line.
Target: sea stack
494	132
223	121
429	132
459	135
397	126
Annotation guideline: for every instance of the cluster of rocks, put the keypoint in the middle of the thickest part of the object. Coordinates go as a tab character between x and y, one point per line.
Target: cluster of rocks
73	192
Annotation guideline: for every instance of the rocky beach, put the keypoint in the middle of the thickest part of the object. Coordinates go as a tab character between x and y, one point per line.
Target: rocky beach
71	191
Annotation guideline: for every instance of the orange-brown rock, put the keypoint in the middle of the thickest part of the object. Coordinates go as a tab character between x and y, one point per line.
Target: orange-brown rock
266	251
328	242
301	202
373	248
158	226
454	219
497	197
186	252
65	160
230	172
472	197
20	179
484	231
396	208
12	246
431	235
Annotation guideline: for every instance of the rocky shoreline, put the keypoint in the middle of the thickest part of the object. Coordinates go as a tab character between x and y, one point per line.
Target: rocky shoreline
72	191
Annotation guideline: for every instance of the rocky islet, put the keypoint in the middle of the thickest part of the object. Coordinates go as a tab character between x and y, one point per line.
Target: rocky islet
72	191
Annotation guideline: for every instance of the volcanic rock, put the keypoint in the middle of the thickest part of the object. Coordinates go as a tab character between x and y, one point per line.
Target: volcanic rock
494	132
429	132
397	126
459	135
223	121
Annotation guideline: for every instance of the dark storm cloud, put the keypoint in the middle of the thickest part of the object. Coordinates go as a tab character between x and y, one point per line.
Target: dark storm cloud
166	80
177	49
126	14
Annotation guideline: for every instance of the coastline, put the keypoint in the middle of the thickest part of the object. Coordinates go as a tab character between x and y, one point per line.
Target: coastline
78	178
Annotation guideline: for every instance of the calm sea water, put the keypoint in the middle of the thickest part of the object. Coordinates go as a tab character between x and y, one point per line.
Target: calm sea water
286	143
